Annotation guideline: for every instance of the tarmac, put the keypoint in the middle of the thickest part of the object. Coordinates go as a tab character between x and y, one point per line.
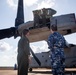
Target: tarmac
34	72
37	71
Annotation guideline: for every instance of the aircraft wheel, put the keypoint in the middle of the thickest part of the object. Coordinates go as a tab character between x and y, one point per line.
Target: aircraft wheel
30	69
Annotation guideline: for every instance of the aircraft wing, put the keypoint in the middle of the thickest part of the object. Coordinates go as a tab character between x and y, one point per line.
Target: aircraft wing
66	24
19	26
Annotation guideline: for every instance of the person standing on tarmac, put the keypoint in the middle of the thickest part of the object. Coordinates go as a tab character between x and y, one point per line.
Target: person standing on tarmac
56	43
23	56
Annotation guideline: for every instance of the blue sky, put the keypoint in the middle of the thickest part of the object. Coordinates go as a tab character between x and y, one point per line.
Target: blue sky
8	11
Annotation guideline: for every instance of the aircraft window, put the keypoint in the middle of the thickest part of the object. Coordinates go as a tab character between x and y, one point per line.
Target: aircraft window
45	60
69	31
42	55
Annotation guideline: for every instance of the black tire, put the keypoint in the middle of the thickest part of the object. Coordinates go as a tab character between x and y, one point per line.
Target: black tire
30	69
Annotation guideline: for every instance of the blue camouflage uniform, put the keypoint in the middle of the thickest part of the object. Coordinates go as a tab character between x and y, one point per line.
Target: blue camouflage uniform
56	43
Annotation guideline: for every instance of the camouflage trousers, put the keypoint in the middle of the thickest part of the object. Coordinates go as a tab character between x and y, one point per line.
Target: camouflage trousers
58	66
58	71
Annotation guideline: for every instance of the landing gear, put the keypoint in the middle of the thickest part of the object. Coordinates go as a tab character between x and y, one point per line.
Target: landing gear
30	69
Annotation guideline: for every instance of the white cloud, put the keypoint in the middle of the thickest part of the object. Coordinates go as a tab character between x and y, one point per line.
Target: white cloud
34	48
8	60
42	4
12	3
8	56
29	2
42	47
4	60
15	50
46	4
5	46
71	38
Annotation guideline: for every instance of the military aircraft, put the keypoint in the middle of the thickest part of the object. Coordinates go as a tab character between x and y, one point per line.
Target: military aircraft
40	30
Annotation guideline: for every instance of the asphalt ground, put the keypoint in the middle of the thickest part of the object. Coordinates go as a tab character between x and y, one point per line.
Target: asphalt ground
34	72
37	71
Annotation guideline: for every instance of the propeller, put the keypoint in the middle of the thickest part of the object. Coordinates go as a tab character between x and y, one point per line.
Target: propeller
38	61
9	32
20	20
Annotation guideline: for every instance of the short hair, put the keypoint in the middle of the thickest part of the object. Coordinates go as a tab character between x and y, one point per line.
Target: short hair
53	27
25	31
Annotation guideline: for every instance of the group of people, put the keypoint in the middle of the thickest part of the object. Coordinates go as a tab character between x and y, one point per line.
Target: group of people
56	43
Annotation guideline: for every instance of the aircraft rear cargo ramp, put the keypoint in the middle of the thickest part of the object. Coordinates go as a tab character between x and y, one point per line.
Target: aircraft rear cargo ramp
44	58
